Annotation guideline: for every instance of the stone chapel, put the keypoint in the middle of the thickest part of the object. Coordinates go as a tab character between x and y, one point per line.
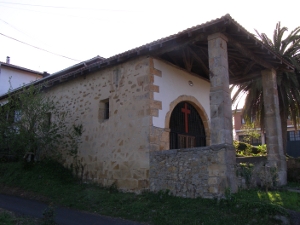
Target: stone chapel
159	116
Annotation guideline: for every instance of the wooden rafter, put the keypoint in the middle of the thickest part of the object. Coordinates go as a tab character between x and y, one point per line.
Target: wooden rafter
172	58
248	67
247	53
244	78
187	59
199	60
179	44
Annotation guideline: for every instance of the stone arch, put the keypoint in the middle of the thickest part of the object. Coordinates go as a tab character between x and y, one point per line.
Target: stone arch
200	109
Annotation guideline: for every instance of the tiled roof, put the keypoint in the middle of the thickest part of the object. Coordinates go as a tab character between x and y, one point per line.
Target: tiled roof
98	62
22	68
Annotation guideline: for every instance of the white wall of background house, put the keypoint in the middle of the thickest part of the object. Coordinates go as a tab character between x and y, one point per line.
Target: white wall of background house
175	83
12	76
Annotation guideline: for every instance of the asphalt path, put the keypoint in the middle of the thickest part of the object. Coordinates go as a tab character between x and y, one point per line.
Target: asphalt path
63	216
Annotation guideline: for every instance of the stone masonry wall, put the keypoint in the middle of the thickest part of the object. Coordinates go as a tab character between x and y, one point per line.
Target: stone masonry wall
205	171
114	149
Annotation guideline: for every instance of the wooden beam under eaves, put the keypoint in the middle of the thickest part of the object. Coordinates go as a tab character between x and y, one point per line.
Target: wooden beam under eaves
199	60
248	67
175	45
247	53
187	59
244	78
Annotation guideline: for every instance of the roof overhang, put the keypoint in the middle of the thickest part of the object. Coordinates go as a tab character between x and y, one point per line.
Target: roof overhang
23	69
188	49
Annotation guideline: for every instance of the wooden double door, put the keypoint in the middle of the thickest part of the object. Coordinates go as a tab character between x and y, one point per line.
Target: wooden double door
187	129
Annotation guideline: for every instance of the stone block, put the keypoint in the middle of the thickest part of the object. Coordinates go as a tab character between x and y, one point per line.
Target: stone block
152	88
213	190
127	184
154	112
117	174
156	72
156	104
143	184
154	147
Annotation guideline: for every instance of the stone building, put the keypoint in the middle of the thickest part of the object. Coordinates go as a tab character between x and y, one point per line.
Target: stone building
173	94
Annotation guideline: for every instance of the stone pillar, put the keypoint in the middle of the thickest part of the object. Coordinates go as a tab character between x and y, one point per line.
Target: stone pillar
262	137
220	101
223	172
273	124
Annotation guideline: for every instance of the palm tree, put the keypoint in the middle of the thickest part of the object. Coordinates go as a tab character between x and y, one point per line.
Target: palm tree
288	82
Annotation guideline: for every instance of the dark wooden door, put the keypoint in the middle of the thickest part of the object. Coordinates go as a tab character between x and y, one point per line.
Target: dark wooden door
187	129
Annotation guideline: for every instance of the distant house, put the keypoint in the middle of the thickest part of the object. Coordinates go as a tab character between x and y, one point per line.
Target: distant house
12	76
293	136
239	132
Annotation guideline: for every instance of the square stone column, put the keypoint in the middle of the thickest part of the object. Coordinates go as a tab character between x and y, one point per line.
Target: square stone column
221	115
273	124
220	100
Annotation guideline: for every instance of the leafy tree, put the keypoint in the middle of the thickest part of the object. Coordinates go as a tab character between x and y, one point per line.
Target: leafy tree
250	131
30	122
287	81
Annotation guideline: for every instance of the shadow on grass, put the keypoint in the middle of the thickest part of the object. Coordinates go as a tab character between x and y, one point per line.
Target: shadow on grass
57	184
286	199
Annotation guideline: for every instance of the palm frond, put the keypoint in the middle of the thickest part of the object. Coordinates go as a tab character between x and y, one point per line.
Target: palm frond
288	83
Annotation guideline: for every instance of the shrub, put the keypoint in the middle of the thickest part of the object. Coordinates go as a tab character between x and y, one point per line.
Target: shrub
33	123
245	149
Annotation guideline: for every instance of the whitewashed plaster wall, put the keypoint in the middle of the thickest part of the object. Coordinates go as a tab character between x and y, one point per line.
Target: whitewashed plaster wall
174	83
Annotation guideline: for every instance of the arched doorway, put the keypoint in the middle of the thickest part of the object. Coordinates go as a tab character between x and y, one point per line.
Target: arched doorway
186	127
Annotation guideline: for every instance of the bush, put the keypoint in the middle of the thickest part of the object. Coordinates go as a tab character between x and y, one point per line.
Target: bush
33	123
245	149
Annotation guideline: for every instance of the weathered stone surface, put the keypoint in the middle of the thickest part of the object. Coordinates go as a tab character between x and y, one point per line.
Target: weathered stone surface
205	171
159	139
109	151
220	105
273	125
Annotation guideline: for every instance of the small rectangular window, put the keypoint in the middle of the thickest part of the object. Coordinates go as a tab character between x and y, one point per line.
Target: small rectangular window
13	116
252	120
250	140
293	136
103	113
106	110
17	116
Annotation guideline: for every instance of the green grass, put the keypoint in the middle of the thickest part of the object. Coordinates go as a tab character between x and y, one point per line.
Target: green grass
57	184
7	218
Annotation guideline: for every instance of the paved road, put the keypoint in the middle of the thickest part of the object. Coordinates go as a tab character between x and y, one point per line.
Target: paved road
63	216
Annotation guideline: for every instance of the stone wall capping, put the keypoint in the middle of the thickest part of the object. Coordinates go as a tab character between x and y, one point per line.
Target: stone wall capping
219	147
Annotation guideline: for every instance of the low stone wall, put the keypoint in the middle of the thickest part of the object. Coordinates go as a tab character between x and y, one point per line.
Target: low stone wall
206	171
293	169
254	160
293	163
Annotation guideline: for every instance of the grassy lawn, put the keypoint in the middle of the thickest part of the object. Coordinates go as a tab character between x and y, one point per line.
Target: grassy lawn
8	218
56	184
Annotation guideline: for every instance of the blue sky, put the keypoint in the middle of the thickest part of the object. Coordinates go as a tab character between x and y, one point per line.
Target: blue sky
79	30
